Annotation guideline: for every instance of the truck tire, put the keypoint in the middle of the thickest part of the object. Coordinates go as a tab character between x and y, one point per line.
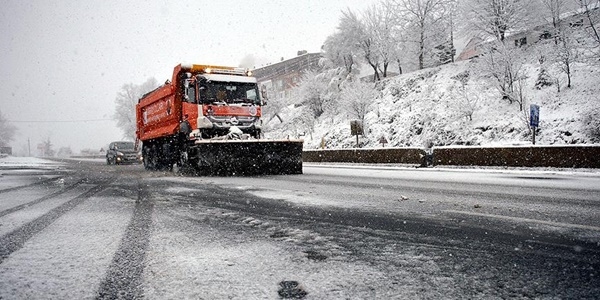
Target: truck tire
148	158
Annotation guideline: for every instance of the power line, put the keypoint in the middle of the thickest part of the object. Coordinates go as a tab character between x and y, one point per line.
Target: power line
59	121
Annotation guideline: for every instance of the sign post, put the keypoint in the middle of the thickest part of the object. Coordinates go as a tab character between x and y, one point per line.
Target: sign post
534	118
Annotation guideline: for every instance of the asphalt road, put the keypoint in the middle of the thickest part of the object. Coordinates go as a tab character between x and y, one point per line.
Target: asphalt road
86	230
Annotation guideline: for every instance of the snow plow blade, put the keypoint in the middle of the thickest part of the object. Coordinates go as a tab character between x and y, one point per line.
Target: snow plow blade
248	157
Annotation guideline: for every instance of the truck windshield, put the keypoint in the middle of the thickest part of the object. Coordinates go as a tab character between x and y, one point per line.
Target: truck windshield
228	92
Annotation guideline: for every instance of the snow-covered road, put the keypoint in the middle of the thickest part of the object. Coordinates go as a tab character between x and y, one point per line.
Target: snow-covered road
81	229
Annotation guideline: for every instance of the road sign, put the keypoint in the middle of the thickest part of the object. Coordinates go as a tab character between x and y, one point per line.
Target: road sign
356	127
383	141
534	115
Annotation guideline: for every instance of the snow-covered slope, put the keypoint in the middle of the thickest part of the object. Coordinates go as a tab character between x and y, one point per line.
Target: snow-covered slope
431	107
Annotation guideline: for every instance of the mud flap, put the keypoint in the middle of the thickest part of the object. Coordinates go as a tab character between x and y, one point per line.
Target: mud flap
249	157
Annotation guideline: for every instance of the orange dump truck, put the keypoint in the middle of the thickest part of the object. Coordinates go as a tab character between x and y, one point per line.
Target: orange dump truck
208	119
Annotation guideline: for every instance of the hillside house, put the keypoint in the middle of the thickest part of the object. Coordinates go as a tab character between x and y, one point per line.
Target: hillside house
474	47
278	79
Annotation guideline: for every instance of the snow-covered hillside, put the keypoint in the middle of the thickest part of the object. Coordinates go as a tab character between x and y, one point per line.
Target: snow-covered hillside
455	104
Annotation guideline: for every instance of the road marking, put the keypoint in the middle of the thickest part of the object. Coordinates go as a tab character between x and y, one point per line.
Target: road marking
517	219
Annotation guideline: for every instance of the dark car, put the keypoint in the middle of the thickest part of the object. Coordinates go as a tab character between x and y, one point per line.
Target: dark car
122	152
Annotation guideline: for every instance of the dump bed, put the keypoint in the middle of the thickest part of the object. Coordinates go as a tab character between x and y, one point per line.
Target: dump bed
158	113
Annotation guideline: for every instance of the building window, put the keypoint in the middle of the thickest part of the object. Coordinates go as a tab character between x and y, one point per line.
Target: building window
546	35
577	23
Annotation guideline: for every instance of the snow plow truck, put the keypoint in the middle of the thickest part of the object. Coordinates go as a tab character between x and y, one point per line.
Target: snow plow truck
207	119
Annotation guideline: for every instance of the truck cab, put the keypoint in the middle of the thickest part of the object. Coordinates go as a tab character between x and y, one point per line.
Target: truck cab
214	100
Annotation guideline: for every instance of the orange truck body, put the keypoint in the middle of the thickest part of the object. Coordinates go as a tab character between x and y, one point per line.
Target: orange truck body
160	112
208	118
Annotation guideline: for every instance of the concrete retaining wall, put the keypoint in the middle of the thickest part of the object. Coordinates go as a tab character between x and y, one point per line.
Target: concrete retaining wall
373	156
526	156
580	156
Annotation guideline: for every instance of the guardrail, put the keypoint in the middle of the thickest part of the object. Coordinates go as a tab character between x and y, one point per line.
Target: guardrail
563	156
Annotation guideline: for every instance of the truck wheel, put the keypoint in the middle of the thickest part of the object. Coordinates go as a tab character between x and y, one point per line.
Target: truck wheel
108	161
148	158
146	162
183	161
154	158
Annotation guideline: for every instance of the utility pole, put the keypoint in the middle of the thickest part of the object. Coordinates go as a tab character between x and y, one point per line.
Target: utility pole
28	147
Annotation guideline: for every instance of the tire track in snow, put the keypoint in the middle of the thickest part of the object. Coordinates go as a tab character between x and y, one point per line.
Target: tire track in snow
15	240
41	199
123	279
43	181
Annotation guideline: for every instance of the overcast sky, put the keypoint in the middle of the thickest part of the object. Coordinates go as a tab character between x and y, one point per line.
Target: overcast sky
63	62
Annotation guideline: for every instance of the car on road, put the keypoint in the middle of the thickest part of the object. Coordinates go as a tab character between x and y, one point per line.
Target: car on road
122	152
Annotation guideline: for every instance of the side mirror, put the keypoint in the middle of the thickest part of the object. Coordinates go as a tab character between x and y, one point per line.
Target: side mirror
263	93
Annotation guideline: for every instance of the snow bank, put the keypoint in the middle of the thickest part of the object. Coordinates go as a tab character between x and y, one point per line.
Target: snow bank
26	162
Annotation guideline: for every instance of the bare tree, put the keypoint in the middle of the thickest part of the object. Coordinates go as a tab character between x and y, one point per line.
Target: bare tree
519	93
302	124
357	97
504	65
7	131
401	49
424	16
47	148
468	102
552	13
565	53
274	109
125	103
588	7
495	17
353	36
312	92
590	10
340	49
591	120
449	23
363	40
379	22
